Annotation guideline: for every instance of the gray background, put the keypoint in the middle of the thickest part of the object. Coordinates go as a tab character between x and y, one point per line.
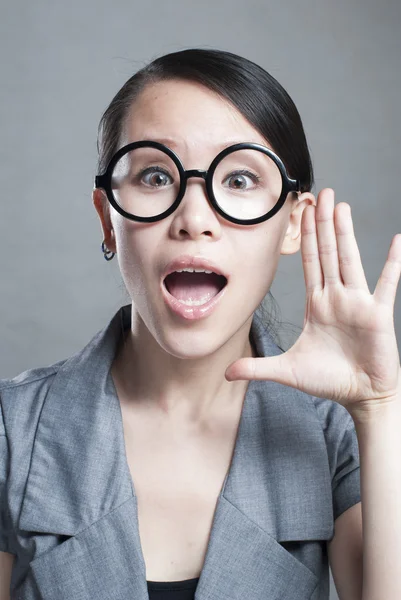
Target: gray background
62	62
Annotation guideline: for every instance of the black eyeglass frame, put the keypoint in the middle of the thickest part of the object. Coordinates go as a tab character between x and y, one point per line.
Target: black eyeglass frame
288	185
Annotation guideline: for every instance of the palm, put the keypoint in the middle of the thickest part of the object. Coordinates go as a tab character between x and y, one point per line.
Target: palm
347	350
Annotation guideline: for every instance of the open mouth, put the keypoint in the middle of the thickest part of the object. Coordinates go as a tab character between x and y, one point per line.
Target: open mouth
194	288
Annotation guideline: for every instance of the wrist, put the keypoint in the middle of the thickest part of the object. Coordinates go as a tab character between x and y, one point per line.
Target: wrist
376	410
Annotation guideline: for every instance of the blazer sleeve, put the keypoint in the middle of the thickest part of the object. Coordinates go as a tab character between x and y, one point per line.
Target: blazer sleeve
3	485
343	454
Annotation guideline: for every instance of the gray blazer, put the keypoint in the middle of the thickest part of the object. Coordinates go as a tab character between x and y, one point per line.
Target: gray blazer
68	509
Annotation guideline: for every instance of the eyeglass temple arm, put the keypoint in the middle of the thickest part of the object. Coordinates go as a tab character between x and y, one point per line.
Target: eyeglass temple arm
294	184
99	181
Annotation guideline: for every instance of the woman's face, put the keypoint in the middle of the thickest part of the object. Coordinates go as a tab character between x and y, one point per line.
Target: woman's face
196	123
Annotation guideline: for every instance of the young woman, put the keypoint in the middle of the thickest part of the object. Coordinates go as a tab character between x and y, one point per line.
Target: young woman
182	453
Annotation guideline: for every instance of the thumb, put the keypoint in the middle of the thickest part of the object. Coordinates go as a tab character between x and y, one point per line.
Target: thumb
272	368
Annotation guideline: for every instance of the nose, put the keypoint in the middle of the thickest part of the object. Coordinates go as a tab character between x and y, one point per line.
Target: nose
189	186
195	215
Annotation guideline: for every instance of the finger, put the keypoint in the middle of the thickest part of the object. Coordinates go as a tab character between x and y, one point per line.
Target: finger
244	368
349	258
273	368
309	250
326	237
386	287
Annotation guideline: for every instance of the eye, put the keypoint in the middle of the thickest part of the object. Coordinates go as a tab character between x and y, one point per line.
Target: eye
238	180
155	177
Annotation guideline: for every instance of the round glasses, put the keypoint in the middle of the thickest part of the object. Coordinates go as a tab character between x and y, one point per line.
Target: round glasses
246	183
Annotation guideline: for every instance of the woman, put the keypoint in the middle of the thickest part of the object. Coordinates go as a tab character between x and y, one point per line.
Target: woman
182	454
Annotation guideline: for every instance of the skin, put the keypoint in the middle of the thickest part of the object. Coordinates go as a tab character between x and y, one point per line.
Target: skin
168	365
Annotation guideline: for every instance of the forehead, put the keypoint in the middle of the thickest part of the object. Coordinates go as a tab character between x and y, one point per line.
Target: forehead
185	115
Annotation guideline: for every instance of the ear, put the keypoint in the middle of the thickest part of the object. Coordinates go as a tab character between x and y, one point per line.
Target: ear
102	207
292	239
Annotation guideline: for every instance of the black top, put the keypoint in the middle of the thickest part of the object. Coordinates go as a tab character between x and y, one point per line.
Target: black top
172	590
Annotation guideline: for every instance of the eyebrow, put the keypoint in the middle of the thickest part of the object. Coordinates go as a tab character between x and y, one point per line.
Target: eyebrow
170	142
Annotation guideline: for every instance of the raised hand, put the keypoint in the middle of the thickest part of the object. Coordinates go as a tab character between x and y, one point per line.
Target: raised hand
347	350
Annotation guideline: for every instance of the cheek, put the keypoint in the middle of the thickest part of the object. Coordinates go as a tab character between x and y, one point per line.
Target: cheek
258	261
261	249
136	251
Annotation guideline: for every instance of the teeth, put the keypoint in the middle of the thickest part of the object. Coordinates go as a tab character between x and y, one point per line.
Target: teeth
195	302
193	271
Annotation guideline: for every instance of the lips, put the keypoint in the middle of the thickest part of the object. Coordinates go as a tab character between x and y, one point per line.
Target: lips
192	310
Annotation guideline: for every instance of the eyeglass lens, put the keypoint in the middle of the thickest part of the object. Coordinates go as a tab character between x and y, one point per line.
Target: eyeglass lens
246	183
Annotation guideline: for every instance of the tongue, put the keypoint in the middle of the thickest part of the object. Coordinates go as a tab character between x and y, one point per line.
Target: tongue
194	286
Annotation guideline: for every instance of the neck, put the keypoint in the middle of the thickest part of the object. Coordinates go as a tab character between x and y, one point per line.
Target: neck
187	389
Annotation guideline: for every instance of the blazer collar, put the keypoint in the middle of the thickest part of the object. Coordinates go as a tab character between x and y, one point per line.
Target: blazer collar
79	482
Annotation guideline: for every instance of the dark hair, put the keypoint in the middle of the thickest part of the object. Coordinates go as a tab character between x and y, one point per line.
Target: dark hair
247	86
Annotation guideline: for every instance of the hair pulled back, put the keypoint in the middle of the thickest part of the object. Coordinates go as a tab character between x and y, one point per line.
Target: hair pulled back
247	86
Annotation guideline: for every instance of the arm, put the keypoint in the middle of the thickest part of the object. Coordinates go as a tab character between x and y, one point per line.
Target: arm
348	353
6	565
379	440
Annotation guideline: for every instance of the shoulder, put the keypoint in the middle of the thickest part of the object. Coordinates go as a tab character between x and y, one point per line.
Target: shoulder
31	376
330	412
22	396
21	403
339	433
337	425
342	452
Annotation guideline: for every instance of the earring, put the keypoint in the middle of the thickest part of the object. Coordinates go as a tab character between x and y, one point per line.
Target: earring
106	252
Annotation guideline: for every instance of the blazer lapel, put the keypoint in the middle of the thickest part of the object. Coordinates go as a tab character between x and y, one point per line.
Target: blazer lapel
79	485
